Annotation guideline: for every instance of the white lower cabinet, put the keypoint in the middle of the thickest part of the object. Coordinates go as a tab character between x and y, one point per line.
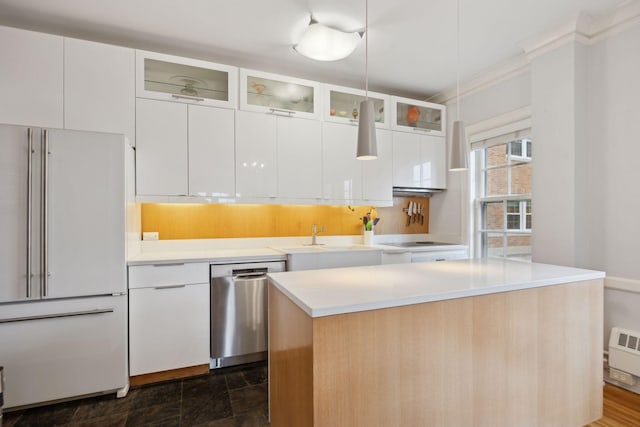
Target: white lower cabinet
396	257
428	256
169	322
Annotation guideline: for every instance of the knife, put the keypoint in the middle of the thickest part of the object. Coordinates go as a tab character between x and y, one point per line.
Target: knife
415	212
421	214
409	210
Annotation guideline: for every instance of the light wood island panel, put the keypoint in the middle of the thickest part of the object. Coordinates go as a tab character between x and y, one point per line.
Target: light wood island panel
522	358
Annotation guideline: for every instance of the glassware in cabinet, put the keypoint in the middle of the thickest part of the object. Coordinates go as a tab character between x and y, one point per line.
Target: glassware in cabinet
172	78
414	115
342	105
271	93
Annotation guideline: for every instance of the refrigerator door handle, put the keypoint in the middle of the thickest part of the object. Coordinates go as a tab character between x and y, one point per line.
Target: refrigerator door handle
45	212
58	315
29	205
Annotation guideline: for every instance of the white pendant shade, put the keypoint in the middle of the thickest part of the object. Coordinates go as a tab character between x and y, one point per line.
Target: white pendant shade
324	43
367	145
458	158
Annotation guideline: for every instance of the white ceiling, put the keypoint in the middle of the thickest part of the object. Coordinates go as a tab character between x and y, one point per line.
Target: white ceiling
412	45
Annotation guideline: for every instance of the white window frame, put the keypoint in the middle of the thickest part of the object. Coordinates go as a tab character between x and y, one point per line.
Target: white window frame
512	122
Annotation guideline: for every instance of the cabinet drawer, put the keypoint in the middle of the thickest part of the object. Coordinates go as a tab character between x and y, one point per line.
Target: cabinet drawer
157	275
438	256
168	328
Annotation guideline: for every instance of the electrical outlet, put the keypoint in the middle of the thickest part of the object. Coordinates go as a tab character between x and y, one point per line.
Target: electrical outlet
623	377
150	235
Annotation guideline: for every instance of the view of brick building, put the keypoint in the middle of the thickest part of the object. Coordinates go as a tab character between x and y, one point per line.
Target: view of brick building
507	222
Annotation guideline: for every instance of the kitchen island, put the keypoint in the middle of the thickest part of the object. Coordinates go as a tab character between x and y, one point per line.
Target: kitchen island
458	343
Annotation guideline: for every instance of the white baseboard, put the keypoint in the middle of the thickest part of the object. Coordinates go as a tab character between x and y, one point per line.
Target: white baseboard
622	284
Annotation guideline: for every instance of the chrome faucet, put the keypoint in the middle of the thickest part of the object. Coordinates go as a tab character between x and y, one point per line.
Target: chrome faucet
314	233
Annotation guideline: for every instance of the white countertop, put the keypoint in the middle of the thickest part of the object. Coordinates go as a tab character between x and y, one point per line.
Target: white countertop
212	256
217	251
347	290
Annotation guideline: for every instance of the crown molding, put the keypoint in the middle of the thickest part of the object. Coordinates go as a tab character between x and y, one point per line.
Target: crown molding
582	28
504	71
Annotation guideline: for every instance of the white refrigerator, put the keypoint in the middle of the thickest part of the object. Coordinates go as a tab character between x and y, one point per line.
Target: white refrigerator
63	301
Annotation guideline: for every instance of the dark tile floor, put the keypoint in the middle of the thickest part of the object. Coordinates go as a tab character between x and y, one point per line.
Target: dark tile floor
228	397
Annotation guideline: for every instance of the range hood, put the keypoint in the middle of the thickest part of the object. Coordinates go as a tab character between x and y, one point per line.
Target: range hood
414	191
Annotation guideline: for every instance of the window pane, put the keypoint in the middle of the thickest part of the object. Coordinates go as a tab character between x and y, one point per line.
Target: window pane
494	245
529	148
493	216
496	182
496	155
519	247
528	227
516	148
513	207
521	178
513	222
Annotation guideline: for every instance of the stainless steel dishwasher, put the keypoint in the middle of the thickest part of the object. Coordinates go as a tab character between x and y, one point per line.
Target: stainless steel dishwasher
239	312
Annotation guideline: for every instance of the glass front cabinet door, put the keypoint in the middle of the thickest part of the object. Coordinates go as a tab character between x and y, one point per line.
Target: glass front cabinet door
280	95
172	78
342	105
412	115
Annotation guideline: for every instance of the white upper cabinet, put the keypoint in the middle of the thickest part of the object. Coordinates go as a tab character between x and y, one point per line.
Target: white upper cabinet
31	78
99	87
342	105
211	152
419	161
161	151
256	155
377	175
299	159
278	158
342	172
172	78
184	150
275	94
410	115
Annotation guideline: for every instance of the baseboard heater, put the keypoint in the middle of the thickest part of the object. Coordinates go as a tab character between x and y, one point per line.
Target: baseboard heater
624	355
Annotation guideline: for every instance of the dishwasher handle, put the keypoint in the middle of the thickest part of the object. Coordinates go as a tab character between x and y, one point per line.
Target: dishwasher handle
247	273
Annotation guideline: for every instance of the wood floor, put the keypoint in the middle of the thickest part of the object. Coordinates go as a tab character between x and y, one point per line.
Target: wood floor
621	408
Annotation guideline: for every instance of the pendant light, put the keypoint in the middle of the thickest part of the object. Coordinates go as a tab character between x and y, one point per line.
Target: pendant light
367	146
458	158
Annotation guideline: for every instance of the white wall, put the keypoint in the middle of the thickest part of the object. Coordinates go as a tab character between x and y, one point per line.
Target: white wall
448	211
596	91
613	178
556	118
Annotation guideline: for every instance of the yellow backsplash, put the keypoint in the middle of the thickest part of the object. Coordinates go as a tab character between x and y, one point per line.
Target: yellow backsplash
207	221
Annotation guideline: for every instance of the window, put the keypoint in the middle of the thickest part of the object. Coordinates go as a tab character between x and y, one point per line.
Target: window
515	149
502	170
519	215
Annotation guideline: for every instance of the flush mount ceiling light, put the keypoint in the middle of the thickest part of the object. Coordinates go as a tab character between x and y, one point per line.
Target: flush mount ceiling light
324	43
